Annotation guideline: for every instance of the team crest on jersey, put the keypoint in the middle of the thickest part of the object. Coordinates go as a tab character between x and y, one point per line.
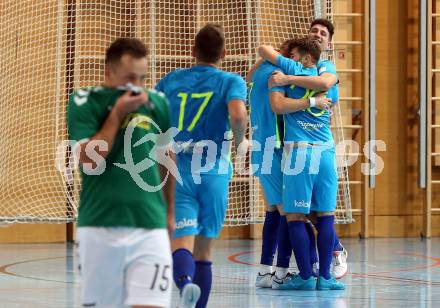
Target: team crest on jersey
137	120
322	70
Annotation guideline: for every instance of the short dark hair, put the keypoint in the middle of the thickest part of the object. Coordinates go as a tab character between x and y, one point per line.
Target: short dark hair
325	23
210	43
123	46
309	46
286	47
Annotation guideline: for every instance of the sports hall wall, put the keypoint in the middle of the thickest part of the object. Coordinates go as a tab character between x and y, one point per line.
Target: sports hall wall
395	206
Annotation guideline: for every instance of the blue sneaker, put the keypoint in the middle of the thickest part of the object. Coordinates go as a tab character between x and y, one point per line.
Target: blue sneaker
330	284
294	282
190	295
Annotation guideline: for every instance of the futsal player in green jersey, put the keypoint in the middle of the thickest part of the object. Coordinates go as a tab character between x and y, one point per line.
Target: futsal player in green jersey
123	243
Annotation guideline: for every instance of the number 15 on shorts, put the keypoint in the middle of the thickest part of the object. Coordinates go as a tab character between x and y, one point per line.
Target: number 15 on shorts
161	277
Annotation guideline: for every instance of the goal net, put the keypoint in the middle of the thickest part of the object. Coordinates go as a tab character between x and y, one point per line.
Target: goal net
50	47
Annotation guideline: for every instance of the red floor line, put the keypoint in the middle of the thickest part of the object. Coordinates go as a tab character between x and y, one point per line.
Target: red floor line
233	258
409	269
4	269
378	275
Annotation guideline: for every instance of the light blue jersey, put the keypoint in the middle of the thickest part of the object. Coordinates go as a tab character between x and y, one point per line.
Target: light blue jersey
199	99
312	124
309	173
266	125
264	121
326	66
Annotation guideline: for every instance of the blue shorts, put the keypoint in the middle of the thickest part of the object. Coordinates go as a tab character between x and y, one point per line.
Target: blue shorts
201	208
272	180
310	181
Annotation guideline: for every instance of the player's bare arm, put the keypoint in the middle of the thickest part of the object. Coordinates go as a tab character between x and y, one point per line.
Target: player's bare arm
238	120
253	69
125	104
323	82
268	53
168	193
282	105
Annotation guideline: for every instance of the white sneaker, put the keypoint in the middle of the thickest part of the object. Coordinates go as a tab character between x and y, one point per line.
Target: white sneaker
264	281
339	263
190	295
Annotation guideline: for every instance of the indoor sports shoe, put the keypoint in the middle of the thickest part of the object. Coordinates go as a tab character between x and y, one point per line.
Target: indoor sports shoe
279	283
330	284
190	295
294	282
339	263
264	281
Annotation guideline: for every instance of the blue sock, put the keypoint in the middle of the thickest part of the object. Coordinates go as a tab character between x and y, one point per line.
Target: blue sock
284	247
312	239
299	240
183	267
270	230
337	246
203	278
326	240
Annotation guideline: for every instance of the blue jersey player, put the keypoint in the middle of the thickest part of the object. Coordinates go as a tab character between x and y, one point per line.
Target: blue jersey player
312	184
321	30
267	132
205	104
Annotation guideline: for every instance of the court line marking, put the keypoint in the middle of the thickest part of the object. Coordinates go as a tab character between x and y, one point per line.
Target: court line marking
234	259
4	269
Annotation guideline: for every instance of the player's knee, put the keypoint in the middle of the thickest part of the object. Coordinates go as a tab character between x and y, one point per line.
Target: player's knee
185	242
202	248
202	254
295	217
280	210
320	214
312	217
271	208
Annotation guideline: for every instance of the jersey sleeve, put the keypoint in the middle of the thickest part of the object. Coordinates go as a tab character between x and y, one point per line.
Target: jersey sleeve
278	89
82	120
289	66
236	89
161	109
326	67
162	117
160	87
333	93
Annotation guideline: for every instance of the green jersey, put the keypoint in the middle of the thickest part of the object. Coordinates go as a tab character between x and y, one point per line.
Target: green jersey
113	198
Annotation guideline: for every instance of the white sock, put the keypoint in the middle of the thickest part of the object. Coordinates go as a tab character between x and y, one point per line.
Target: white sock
265	269
281	272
